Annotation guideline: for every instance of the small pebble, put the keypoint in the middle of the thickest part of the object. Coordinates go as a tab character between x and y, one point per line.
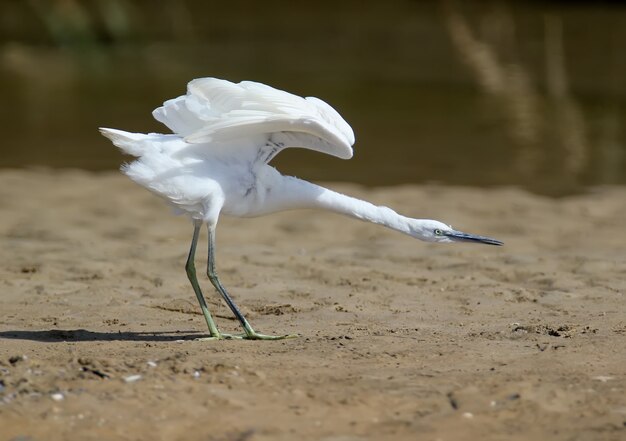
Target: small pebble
58	396
132	378
152	364
603	378
468	415
196	374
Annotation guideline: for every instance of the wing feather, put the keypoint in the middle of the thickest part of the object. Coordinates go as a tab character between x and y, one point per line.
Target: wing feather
218	110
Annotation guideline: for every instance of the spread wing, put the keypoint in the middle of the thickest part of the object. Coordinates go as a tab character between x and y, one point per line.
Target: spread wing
216	110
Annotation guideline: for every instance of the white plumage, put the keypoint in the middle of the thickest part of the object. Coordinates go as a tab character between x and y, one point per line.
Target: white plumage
225	134
217	162
219	111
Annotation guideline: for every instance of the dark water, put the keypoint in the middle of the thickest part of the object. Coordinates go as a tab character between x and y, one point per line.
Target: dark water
530	94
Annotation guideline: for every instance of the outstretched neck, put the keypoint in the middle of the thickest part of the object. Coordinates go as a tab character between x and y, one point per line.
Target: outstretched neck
292	193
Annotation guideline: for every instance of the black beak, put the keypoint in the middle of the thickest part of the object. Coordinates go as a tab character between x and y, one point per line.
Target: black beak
464	237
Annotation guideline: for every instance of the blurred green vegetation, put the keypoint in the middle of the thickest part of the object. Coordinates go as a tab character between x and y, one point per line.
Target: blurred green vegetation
465	93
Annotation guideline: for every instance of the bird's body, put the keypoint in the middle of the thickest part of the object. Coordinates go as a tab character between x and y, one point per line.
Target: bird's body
217	162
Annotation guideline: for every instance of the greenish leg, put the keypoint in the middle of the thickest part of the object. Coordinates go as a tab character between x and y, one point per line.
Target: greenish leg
190	267
250	334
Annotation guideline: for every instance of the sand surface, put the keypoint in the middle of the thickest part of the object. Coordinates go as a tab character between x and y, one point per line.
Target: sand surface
399	339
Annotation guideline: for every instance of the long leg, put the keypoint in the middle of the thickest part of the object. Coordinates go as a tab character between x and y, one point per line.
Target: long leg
190	267
249	332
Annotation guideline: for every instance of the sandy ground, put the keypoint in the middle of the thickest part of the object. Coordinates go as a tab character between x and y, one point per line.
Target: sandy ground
399	339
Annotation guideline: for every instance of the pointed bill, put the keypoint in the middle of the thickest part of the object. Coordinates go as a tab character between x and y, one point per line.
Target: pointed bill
459	236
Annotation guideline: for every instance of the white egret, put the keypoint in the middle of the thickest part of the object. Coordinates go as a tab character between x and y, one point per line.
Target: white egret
217	162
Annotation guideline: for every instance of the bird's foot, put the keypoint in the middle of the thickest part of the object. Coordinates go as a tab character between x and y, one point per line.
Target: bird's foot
250	336
257	336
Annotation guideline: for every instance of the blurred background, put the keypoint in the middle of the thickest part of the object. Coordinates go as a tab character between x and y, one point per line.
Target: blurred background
480	93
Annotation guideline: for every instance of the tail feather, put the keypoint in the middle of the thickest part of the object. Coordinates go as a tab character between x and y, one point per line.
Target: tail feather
144	144
131	143
128	142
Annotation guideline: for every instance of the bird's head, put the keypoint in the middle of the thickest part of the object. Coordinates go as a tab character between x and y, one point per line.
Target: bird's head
435	231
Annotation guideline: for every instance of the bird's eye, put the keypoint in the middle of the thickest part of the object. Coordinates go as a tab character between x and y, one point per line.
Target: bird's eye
438	232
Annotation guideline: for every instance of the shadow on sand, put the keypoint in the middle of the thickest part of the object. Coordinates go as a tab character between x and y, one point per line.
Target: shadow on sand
78	335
